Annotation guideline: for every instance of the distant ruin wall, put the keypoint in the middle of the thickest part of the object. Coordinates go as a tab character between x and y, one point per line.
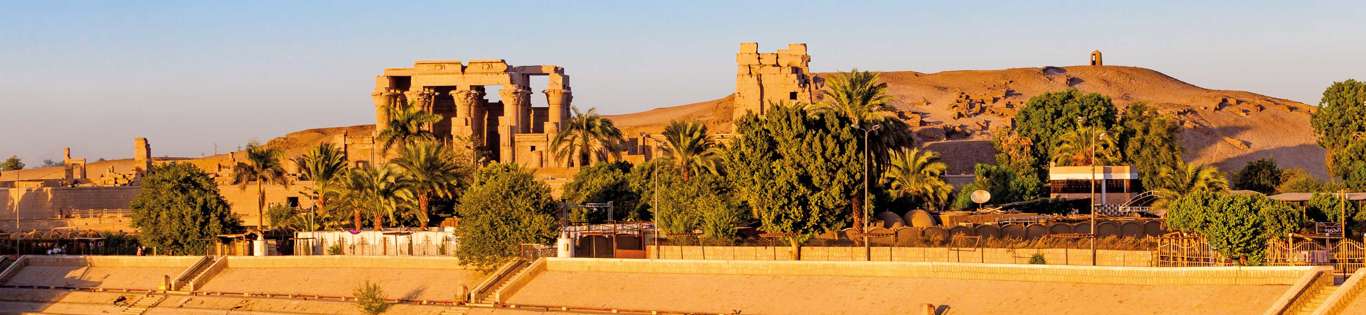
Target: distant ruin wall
47	203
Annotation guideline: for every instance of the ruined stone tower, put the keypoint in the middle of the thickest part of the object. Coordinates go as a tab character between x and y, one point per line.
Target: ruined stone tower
765	78
1095	58
142	153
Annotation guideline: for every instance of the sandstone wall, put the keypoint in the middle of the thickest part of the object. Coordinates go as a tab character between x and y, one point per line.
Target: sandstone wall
50	203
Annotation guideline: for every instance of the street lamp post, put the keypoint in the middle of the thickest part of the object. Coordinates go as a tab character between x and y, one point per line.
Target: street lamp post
1091	151
654	195
867	200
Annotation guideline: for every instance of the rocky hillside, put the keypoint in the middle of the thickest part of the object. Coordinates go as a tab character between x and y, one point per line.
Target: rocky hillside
956	111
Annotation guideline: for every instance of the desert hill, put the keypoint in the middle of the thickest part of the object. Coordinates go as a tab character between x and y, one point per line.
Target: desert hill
957	110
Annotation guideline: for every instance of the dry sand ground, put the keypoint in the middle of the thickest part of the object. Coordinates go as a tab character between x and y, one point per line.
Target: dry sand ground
92	277
23	300
417	284
753	294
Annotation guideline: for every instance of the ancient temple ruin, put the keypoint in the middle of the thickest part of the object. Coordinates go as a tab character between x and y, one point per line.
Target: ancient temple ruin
762	79
1095	58
502	127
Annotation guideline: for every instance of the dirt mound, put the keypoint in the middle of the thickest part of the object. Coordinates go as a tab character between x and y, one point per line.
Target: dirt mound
1227	128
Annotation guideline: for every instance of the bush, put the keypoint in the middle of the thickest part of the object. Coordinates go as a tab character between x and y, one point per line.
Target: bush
180	211
370	298
335	249
1037	259
506	207
1237	226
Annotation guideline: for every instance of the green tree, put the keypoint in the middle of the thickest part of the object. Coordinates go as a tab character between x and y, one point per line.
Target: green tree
1237	226
688	147
180	211
1186	179
796	171
702	203
587	136
261	167
1048	116
1299	180
13	163
862	98
1340	116
505	208
431	170
859	96
1328	207
1349	164
1261	176
408	125
606	182
1005	184
1085	145
1150	141
325	165
918	175
374	190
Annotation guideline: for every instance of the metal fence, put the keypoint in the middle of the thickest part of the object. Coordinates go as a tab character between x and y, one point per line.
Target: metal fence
373	243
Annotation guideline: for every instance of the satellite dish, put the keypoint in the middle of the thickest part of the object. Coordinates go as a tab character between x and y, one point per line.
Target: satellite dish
980	197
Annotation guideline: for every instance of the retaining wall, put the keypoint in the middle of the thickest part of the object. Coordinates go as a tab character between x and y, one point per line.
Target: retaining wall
377	262
1053	256
1002	272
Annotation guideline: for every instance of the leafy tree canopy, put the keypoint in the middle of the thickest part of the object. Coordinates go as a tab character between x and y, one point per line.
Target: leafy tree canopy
1005	184
1341	114
700	203
1261	176
1150	141
505	208
179	210
797	170
1328	207
13	163
600	183
1237	226
1349	164
1048	116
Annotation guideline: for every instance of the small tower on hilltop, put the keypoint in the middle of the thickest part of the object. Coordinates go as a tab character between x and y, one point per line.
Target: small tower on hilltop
1095	58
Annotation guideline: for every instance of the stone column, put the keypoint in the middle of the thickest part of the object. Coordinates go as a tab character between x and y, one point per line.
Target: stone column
462	126
523	109
383	99
557	99
509	123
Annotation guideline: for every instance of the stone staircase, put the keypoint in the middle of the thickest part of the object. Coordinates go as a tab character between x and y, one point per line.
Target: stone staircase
141	303
486	293
1314	299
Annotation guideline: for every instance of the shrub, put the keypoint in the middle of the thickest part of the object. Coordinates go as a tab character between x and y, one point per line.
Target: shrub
1237	226
370	298
335	249
1037	259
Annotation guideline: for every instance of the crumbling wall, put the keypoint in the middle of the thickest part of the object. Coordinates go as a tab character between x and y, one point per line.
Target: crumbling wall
777	77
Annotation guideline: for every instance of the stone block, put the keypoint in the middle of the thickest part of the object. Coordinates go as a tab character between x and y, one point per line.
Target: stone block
747	58
487	66
749	47
768	58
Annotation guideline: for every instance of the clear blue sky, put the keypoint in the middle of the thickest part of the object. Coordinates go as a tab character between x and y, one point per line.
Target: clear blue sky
93	75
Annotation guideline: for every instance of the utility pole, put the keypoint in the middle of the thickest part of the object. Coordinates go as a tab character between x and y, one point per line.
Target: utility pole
654	195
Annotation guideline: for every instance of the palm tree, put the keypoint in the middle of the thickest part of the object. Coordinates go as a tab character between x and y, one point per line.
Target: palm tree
862	98
858	95
1187	178
324	165
585	136
688	148
431	169
1075	147
262	166
376	190
917	174
407	125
